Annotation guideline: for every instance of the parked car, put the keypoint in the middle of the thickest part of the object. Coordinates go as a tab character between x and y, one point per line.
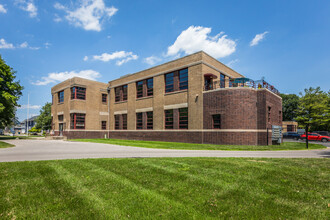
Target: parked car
325	133
316	137
290	134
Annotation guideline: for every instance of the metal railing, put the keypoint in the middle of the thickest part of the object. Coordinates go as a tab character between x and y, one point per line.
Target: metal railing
239	82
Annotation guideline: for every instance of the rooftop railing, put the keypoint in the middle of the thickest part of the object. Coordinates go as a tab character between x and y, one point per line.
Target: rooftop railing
239	82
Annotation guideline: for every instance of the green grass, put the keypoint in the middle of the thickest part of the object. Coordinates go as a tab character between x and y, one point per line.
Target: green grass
188	146
5	145
166	188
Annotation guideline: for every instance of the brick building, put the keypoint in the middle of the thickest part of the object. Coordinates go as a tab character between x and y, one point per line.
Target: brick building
194	99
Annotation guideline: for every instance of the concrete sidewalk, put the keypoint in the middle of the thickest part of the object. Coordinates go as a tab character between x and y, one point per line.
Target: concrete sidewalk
33	150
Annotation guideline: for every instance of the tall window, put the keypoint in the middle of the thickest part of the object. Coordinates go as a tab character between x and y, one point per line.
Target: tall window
169	119
183	79
150	87
222	81
149	120
216	121
121	93
77	121
124	120
60	96
78	93
183	118
117	122
60	118
104	125
230	82
104	98
139	121
139	89
169	82
269	111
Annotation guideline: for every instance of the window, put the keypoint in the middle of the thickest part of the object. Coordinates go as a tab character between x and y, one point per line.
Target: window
121	93
216	121
78	93
150	87
169	119
104	98
124	119
77	121
60	96
139	89
279	116
222	81
139	121
183	79
177	80
149	120
269	109
104	125
117	122
183	118
169	82
60	117
52	99
230	82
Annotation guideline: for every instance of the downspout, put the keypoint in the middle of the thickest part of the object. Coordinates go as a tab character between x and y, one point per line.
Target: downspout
108	90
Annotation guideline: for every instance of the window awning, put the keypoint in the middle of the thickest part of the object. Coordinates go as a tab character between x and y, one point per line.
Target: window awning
210	75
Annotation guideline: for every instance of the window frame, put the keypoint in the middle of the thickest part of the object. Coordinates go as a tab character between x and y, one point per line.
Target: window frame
60	98
74	117
117	122
104	125
104	98
139	121
171	84
149	120
166	116
78	93
185	79
121	93
183	118
216	124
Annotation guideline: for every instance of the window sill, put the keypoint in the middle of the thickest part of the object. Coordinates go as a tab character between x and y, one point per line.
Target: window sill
146	97
119	102
61	103
176	92
78	100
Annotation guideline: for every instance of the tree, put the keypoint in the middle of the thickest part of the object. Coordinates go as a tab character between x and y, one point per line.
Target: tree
290	106
10	92
44	121
314	109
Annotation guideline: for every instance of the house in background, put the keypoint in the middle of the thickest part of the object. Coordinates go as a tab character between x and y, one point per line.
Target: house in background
24	126
194	99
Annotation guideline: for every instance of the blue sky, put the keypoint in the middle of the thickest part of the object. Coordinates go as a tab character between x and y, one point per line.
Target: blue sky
287	42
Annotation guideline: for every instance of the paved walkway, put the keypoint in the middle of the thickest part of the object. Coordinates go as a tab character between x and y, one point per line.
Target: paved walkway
32	150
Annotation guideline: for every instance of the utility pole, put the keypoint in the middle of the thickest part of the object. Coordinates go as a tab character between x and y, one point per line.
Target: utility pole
27	117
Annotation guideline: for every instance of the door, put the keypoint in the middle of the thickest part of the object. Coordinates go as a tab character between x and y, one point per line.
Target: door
60	125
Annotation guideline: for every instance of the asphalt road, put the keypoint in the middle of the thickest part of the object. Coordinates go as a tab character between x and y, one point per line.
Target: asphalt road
33	150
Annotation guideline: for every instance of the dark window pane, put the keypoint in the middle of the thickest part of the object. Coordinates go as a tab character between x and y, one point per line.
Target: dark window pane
124	117
117	122
169	82
104	98
139	89
149	120
183	79
117	94
222	81
60	96
150	87
104	125
216	121
183	118
139	121
169	119
124	92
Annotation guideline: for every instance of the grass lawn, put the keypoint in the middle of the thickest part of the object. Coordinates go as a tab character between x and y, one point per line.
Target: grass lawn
5	145
188	146
167	188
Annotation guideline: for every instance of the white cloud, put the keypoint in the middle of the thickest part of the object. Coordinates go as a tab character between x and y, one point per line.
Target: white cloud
2	9
30	107
5	45
197	38
258	38
232	62
24	45
29	6
57	18
85	58
122	55
152	60
47	45
61	76
89	15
